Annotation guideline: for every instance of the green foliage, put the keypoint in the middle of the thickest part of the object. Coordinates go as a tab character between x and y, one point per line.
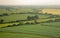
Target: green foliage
32	17
9	26
1	21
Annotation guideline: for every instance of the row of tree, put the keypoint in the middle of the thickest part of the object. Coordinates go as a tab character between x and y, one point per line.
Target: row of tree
4	14
33	17
29	18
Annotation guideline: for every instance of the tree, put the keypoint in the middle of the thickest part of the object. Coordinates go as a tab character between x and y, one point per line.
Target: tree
0	15
33	18
5	14
14	25
1	21
9	26
28	18
27	23
36	17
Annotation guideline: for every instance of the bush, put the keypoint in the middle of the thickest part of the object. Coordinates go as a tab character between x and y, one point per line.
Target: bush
32	23
1	21
0	15
36	22
18	24
58	37
27	23
14	25
9	26
5	14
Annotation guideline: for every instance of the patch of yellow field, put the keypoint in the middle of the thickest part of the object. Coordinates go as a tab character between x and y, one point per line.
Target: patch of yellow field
3	25
52	11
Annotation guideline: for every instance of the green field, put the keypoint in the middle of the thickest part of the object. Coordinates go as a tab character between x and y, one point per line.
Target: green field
52	24
43	29
20	35
39	30
15	17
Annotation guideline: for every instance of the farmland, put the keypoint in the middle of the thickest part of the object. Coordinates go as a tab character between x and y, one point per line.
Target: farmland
17	25
20	17
50	32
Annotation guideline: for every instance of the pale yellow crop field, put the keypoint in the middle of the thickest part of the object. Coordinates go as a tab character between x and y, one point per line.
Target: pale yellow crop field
52	11
4	25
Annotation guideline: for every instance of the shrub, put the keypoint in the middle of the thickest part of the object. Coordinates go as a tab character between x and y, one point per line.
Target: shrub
27	23
37	22
14	25
32	23
18	24
9	26
5	14
58	37
0	15
1	21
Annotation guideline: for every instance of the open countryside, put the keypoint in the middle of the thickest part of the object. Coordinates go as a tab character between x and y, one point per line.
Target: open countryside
16	22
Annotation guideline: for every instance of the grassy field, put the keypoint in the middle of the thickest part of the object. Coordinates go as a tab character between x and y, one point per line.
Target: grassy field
20	35
41	30
38	29
20	17
52	24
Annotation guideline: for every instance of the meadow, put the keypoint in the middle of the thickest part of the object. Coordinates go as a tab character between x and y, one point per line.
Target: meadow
36	29
15	17
41	30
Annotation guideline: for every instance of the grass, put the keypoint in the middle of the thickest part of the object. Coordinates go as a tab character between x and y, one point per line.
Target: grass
20	17
29	31
20	35
34	29
54	24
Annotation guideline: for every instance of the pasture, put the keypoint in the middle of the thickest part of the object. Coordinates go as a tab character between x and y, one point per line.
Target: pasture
41	30
37	29
15	17
20	35
52	24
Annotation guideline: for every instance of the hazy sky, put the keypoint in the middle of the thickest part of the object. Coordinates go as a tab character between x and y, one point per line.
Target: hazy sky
29	2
